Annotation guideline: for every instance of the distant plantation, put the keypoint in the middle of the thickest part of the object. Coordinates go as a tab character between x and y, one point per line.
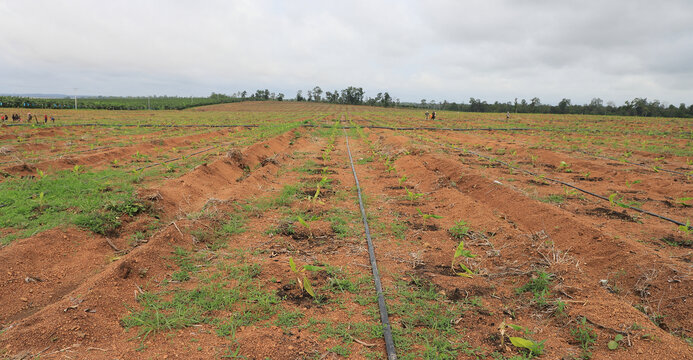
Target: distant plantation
115	103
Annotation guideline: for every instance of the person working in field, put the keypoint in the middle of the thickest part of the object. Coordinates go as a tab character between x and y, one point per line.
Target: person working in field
52	119
507	115
426	115
45	119
433	115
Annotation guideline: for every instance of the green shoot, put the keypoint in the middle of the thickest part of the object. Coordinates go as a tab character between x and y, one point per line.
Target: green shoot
535	348
459	230
413	196
461	251
428	216
613	344
303	281
630	183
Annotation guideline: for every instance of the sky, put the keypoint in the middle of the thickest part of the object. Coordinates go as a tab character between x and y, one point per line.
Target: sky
437	50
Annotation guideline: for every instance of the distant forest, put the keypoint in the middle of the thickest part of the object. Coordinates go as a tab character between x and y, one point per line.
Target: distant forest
356	96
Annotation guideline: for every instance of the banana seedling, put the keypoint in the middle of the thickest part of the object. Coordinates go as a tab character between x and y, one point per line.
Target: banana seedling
428	216
461	251
413	196
301	278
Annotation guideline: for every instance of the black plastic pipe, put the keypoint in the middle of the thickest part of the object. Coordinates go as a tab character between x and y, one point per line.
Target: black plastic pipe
384	318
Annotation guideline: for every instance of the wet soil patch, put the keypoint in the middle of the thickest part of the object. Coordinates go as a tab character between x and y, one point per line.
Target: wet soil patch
422	226
611	214
591	178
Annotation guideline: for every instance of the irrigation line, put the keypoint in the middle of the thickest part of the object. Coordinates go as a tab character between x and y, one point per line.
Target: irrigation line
514	129
349	127
571	186
384	318
96	149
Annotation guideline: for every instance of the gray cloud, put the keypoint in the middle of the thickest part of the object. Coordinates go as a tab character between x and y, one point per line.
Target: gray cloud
453	50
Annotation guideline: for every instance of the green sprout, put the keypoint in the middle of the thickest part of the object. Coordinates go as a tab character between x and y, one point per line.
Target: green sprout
303	281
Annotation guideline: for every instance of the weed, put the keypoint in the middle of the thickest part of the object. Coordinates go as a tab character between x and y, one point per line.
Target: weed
554	199
539	287
613	344
585	336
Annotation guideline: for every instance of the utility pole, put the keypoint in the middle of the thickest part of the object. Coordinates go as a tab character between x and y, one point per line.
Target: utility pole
75	98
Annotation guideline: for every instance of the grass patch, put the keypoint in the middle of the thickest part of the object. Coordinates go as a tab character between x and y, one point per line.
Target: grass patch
91	200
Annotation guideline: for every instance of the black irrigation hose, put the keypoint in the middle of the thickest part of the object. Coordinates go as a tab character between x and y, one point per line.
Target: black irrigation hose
505	129
384	319
572	186
88	150
346	127
632	163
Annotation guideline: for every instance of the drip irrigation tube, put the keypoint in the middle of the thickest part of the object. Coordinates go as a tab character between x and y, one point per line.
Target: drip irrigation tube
573	187
384	319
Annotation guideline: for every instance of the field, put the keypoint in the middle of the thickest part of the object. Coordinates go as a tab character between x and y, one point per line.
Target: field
234	231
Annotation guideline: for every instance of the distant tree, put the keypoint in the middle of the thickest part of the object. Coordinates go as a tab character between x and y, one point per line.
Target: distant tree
309	95
280	97
317	93
299	96
535	102
244	94
387	100
352	95
423	102
563	106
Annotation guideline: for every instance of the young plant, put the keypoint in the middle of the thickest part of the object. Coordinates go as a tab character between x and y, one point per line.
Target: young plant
686	229
402	180
535	348
631	183
613	344
565	167
585	336
459	230
413	196
428	216
681	201
319	186
301	278
461	251
305	223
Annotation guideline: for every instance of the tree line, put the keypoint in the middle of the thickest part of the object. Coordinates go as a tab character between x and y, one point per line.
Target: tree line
635	107
115	103
356	96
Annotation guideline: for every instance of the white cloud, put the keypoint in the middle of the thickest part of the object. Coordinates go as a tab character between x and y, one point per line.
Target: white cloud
494	50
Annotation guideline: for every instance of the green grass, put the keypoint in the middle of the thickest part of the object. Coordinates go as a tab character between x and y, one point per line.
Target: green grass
91	200
553	199
423	317
238	299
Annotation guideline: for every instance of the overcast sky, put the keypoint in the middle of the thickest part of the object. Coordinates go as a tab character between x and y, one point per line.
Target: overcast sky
441	50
